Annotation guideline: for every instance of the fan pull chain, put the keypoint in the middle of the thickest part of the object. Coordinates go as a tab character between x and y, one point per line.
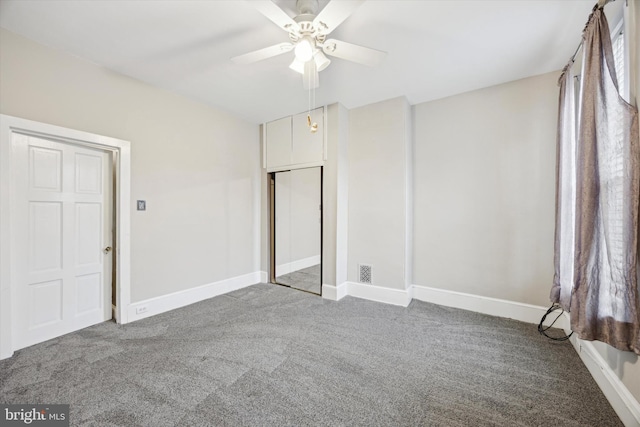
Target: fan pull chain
313	127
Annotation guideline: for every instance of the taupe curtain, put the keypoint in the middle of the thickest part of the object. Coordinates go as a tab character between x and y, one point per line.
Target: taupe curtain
565	191
596	277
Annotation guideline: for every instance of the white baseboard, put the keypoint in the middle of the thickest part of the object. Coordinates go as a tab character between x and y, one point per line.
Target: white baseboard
164	303
334	293
297	265
264	277
618	395
6	354
380	294
496	307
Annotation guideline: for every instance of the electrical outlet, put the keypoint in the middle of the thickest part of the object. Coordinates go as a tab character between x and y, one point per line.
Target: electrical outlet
142	309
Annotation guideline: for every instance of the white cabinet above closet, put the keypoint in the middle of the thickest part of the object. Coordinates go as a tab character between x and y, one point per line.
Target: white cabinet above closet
308	147
278	143
289	143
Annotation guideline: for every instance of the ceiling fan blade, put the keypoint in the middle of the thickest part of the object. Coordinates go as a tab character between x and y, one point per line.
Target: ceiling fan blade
353	52
259	55
275	14
310	78
334	13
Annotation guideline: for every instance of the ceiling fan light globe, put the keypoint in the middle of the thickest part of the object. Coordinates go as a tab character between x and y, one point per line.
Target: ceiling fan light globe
297	66
304	49
322	61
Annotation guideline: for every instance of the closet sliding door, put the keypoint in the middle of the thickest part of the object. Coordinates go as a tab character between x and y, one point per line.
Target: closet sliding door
297	228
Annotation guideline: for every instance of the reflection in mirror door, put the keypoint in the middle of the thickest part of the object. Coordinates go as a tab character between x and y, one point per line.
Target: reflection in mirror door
297	228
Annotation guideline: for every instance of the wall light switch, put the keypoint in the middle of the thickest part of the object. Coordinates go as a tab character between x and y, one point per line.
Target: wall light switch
142	205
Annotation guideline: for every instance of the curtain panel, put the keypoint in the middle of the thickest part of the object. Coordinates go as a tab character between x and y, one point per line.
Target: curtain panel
565	191
597	214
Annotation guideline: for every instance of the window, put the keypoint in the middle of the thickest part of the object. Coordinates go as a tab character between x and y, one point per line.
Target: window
617	41
612	273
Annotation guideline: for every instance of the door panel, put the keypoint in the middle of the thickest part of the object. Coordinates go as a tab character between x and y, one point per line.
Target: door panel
298	229
45	236
62	279
88	293
88	174
88	233
46	169
46	303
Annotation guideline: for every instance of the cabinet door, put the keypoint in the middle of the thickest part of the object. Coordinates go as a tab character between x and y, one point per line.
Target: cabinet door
308	147
278	142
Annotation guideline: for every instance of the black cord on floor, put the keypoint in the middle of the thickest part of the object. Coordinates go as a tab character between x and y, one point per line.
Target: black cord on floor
543	330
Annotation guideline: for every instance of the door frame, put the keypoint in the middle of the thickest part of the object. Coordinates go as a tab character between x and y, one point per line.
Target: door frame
121	150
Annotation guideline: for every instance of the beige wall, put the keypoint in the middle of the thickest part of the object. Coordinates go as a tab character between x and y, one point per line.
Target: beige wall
197	167
484	192
335	196
378	200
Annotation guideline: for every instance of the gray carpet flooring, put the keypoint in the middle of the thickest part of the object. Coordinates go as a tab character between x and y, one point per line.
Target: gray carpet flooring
307	279
268	355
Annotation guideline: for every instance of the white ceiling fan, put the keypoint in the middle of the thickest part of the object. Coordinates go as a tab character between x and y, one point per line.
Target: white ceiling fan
308	38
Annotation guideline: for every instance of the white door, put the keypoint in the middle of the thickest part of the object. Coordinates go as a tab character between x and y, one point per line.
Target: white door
61	246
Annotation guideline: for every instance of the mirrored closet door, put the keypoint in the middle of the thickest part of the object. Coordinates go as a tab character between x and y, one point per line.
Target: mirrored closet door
297	229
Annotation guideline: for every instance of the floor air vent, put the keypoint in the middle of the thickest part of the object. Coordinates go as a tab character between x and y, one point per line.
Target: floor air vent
364	273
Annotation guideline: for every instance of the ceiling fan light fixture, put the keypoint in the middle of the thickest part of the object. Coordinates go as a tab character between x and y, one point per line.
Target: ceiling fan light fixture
308	32
304	49
322	61
297	66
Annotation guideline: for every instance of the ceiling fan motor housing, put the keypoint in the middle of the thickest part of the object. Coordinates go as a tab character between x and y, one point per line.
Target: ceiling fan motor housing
307	12
306	28
307	7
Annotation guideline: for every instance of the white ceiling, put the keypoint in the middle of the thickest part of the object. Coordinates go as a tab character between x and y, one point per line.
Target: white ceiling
435	48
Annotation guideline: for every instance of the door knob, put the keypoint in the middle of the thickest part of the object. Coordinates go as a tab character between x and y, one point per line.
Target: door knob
107	249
